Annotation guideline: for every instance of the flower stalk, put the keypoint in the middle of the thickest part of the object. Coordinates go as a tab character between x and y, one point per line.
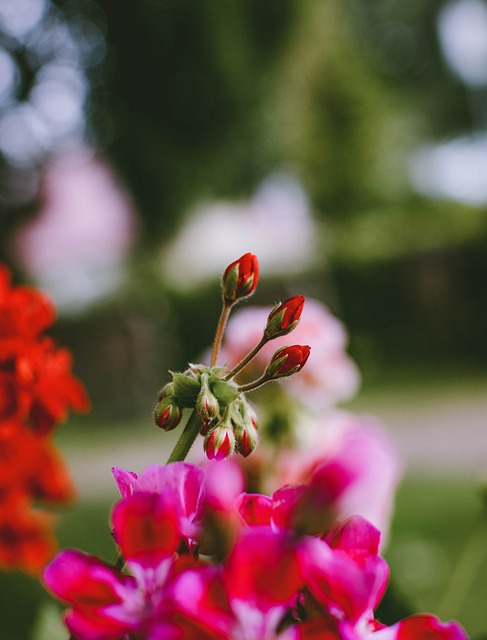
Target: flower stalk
187	438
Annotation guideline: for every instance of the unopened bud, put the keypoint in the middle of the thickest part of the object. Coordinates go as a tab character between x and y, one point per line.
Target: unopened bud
168	413
240	278
207	405
287	360
220	443
167	390
247	439
284	317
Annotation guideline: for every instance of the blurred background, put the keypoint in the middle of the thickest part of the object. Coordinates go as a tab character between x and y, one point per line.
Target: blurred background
143	146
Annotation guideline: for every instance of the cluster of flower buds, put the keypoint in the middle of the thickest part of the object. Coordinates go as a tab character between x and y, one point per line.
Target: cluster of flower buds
226	419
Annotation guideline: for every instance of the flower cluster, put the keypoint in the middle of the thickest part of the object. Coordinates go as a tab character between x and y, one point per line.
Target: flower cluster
221	411
206	561
199	558
37	389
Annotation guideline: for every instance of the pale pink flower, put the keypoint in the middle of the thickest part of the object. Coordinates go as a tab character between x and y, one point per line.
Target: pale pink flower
330	375
357	444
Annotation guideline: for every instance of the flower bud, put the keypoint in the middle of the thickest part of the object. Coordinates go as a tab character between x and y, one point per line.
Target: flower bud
240	278
168	413
284	317
220	442
287	360
207	405
247	439
167	390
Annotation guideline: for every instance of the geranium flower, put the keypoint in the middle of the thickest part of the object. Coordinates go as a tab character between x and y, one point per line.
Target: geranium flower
26	540
184	481
362	448
37	390
248	598
106	603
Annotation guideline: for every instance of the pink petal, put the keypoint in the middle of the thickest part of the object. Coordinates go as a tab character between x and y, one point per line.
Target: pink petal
224	483
125	481
356	536
82	580
263	568
427	627
91	625
147	528
254	508
200	594
347	588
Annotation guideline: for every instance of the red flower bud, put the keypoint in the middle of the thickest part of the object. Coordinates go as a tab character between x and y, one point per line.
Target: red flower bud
288	360
219	443
240	278
168	413
247	440
284	317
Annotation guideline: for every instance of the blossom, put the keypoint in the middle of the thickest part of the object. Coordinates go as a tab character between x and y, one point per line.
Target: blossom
106	603
362	448
266	578
37	391
184	481
250	595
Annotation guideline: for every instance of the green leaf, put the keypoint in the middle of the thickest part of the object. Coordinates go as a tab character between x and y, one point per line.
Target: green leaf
224	392
186	389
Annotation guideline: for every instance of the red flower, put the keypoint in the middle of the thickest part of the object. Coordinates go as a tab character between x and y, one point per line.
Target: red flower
26	540
284	317
288	360
37	390
240	278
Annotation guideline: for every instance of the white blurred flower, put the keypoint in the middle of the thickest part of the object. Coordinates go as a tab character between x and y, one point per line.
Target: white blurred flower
276	225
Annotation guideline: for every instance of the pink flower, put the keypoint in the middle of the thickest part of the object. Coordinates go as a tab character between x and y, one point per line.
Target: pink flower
364	451
105	603
250	595
184	481
330	375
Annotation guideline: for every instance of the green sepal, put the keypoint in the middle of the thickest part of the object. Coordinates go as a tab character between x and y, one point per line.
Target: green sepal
230	284
224	392
186	389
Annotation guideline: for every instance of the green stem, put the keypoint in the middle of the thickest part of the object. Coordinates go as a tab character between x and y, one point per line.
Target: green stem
247	359
464	572
219	331
185	442
255	384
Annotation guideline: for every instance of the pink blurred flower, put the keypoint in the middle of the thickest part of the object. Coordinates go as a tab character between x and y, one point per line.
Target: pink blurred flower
330	375
76	246
362	449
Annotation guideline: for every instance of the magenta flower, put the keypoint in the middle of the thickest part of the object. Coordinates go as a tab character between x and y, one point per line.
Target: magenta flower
105	603
249	597
185	482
